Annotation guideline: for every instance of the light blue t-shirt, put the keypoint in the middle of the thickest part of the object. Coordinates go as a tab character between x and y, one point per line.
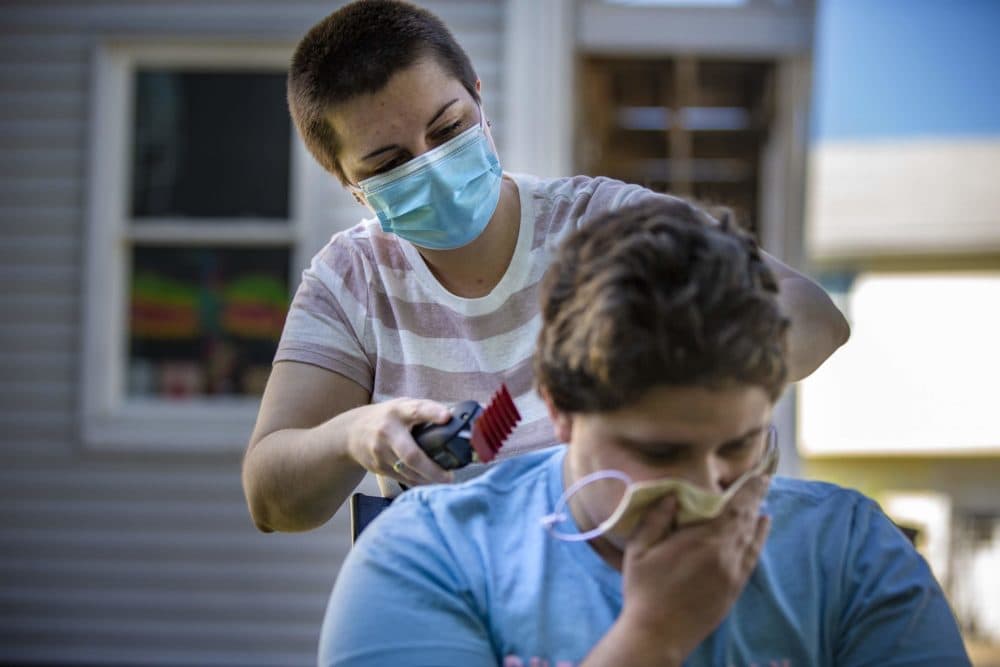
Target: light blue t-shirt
465	575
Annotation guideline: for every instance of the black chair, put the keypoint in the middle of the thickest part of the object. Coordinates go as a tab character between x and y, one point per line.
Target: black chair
910	532
364	509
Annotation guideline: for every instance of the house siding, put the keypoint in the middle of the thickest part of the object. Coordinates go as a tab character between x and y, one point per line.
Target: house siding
132	557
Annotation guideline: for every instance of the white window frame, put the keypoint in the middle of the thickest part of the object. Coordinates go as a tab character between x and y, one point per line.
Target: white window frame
110	420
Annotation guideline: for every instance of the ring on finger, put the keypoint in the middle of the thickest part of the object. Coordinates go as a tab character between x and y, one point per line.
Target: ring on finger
398	466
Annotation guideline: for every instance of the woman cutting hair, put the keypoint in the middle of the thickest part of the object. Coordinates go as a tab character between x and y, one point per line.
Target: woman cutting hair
433	300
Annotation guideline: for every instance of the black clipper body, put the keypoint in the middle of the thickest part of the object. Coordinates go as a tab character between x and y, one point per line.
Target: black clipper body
449	444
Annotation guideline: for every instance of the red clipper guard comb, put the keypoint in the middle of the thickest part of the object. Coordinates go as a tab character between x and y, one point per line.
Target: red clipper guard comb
472	434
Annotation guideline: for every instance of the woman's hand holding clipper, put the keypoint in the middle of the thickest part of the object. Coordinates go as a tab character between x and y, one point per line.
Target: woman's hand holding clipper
381	440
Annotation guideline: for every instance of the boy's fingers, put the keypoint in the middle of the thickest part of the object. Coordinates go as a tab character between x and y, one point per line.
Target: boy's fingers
655	524
756	545
744	506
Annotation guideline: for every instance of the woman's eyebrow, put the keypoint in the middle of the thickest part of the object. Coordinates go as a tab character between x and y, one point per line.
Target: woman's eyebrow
378	151
383	149
441	112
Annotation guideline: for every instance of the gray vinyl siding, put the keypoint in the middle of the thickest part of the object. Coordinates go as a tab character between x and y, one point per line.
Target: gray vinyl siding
135	557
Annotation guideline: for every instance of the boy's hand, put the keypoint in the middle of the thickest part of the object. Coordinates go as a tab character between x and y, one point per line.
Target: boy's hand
680	584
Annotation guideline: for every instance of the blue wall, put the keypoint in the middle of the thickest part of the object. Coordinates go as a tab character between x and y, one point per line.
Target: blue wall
906	68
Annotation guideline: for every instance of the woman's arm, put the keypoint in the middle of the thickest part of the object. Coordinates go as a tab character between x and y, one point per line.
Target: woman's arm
818	327
315	437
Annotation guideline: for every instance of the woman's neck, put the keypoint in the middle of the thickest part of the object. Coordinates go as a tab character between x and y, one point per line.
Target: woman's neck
474	270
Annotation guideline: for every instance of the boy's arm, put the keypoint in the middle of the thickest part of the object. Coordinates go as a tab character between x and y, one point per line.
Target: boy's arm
818	327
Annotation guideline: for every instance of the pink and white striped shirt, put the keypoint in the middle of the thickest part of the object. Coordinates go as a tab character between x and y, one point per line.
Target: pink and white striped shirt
370	309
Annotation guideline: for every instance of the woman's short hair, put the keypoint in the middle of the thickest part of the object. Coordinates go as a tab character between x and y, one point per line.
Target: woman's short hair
355	51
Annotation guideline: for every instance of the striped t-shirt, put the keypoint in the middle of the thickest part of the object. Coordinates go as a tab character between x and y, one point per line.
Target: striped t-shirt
370	309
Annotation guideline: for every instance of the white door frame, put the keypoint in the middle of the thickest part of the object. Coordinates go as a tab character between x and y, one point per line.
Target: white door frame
544	39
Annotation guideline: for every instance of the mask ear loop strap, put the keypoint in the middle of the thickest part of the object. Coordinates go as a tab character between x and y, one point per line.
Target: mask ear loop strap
559	515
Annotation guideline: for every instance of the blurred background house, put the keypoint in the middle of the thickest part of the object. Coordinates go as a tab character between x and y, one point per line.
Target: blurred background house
156	209
903	222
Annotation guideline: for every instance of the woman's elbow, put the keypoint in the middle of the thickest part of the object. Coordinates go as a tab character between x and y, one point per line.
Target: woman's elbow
841	329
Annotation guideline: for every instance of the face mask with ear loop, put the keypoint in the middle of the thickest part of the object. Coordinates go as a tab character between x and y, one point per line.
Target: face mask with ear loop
694	503
442	199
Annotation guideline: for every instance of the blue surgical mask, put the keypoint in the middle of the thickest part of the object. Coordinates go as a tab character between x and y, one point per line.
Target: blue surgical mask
442	199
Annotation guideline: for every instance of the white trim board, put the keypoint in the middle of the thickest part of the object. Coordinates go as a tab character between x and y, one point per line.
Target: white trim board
108	419
903	197
751	30
538	95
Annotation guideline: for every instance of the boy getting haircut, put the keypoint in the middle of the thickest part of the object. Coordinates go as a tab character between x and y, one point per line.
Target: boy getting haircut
661	354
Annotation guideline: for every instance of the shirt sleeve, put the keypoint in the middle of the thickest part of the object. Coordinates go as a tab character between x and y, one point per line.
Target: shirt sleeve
610	195
401	598
894	613
327	321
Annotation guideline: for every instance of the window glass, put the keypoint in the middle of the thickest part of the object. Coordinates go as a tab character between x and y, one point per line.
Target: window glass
691	126
204	321
210	145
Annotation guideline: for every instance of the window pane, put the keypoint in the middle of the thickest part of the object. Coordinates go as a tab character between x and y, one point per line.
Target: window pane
205	321
210	145
690	126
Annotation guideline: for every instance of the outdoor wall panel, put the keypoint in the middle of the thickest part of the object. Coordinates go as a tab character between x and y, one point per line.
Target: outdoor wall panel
904	197
133	557
905	130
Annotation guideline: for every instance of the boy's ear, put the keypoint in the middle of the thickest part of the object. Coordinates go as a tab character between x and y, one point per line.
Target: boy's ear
562	422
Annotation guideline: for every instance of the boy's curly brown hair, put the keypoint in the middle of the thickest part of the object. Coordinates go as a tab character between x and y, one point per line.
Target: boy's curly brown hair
657	294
